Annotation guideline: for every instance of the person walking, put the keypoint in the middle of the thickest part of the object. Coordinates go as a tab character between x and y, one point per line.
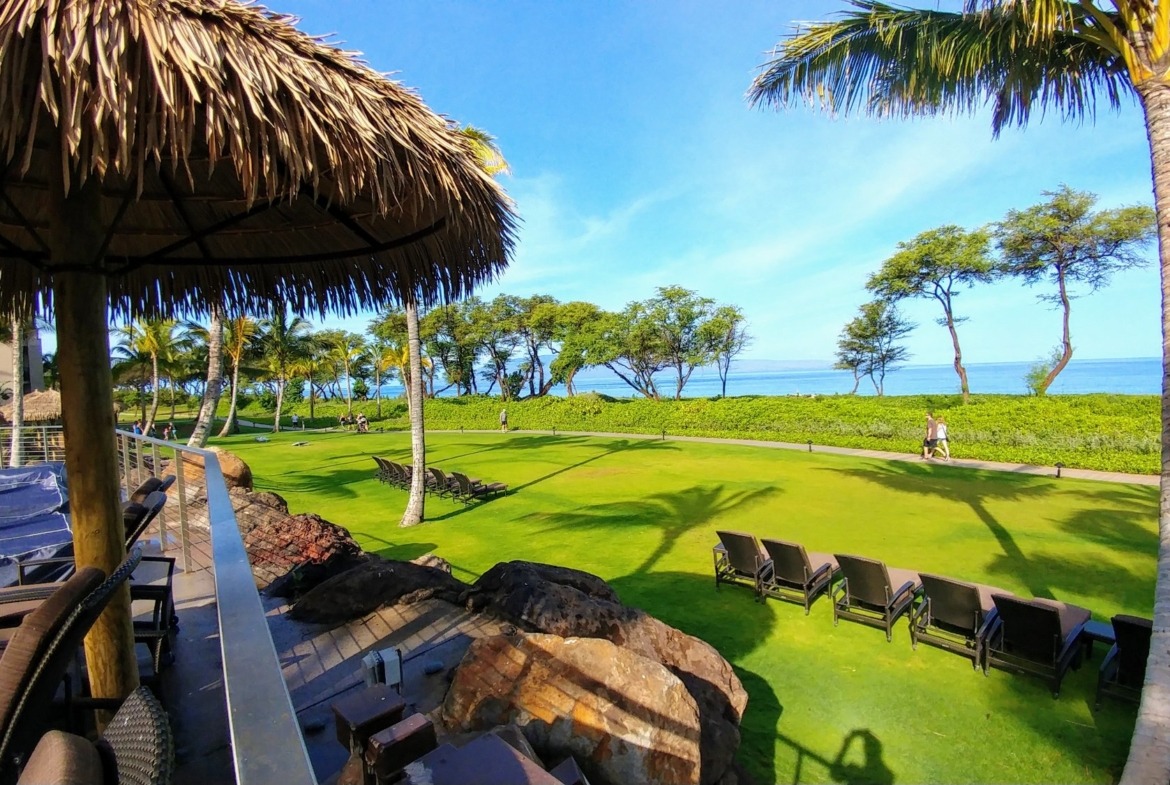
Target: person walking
940	436
504	420
931	439
138	427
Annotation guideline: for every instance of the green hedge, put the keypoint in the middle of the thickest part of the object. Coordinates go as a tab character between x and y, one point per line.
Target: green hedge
1103	432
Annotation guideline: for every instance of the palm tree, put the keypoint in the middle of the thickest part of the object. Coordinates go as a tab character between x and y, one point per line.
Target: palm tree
156	339
1022	55
283	341
238	334
14	335
310	367
214	386
345	350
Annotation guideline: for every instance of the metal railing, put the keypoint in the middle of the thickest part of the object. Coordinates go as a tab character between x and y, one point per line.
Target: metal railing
35	443
267	745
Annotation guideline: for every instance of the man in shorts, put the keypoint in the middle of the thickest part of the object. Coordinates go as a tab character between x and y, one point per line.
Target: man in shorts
931	440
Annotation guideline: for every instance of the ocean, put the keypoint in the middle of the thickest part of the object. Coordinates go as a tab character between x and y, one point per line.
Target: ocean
1135	376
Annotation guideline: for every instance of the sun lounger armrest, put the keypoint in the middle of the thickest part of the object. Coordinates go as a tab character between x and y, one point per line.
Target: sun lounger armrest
920	612
28	591
1110	664
819	571
21	567
990	621
906	588
1072	642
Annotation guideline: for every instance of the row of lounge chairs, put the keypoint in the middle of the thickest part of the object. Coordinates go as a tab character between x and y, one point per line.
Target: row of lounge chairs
455	485
991	626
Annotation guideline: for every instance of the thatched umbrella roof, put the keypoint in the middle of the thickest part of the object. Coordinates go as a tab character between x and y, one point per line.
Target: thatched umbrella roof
239	159
168	156
39	406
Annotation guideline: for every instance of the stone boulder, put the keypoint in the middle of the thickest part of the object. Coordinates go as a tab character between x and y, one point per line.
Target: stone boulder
570	603
372	584
625	718
290	554
236	473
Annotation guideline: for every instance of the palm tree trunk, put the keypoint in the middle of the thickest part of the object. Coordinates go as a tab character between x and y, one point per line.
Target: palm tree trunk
15	458
171	389
229	425
154	379
214	386
280	383
378	385
1149	751
414	513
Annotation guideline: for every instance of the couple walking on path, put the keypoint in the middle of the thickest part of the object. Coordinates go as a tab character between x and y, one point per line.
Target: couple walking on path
936	438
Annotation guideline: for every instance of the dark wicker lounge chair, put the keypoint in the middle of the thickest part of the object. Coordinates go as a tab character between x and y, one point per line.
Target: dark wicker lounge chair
797	575
1041	637
137	748
953	615
739	558
1124	670
40	652
440	483
470	490
149	485
872	593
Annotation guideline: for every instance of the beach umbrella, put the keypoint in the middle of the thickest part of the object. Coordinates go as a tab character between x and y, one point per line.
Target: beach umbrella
165	157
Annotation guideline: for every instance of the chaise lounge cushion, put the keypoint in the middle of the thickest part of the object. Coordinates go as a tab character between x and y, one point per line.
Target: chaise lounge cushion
63	759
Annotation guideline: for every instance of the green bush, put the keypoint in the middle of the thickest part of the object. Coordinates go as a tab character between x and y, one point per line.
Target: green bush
1102	432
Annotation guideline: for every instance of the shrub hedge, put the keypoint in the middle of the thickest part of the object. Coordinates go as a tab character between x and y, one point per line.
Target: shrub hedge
1102	432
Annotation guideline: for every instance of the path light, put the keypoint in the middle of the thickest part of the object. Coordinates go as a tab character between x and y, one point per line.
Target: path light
1059	466
663	434
554	430
810	445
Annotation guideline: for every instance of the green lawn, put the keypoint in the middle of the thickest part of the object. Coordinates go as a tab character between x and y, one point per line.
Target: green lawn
826	704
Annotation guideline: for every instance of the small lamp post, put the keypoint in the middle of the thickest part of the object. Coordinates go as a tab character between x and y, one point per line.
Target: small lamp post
663	434
810	445
1059	466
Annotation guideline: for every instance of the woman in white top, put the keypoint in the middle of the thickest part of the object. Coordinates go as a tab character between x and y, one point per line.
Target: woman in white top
941	437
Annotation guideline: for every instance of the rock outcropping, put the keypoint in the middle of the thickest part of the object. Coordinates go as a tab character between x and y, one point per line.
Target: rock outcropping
624	718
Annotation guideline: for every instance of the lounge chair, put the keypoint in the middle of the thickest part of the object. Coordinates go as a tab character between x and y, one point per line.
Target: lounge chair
1123	672
470	490
953	615
383	473
739	558
797	575
872	593
149	485
1041	637
441	483
136	748
39	654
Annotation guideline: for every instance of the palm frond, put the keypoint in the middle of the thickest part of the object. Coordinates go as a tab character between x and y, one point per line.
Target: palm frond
885	60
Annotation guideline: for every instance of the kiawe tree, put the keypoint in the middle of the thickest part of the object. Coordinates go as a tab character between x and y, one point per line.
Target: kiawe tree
869	343
725	334
937	264
1017	55
1064	242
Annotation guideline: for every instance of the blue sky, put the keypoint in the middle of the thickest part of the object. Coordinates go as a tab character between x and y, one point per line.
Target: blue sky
638	163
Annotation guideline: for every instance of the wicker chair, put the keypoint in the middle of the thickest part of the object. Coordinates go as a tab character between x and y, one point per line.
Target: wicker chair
149	485
1041	637
1123	672
137	748
953	615
739	558
39	655
872	593
797	575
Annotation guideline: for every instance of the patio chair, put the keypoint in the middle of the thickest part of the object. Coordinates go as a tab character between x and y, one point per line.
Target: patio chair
38	656
149	485
872	593
383	473
953	615
137	748
470	490
739	558
440	483
797	575
1123	672
1040	637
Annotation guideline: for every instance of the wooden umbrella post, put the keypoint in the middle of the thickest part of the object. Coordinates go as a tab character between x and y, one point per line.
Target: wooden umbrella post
87	414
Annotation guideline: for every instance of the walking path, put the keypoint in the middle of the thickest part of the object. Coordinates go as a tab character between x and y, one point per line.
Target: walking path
995	466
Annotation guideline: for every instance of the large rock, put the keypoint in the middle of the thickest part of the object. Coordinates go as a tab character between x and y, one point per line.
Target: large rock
290	554
569	603
625	718
369	586
236	473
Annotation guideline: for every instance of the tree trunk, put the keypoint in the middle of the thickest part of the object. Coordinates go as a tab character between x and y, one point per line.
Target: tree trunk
959	369
171	389
1066	339
1149	752
229	425
76	239
414	513
15	458
348	391
378	386
280	383
856	382
214	386
154	381
312	399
